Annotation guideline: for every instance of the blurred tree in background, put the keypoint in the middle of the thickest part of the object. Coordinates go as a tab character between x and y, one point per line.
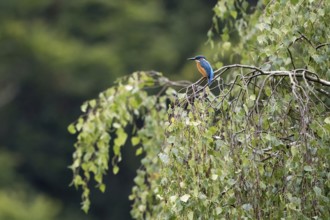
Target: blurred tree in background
53	55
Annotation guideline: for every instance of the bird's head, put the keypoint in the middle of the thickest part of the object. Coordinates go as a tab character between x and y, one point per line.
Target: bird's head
197	58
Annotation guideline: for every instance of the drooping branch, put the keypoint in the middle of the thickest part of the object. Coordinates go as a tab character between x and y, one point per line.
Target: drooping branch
309	75
198	88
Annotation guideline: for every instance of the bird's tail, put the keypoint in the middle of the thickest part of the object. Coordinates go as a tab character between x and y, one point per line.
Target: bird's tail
210	79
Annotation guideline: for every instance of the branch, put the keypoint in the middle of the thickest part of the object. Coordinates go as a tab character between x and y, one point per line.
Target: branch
195	88
306	38
296	73
322	45
291	58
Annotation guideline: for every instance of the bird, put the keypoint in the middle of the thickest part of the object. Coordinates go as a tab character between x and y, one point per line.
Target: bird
204	67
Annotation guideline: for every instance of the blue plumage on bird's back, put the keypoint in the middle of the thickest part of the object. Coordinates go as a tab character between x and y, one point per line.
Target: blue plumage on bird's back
208	69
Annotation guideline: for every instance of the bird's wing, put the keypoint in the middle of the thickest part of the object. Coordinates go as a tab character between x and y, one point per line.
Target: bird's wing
208	68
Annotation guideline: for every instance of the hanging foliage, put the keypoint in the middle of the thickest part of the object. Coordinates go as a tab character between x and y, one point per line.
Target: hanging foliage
253	145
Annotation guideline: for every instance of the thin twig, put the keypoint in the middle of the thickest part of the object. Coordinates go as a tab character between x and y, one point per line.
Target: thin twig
322	45
295	73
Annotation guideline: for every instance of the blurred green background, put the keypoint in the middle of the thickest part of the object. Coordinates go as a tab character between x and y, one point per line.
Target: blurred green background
54	54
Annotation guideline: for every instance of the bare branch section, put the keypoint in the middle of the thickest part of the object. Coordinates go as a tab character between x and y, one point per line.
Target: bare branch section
322	45
309	75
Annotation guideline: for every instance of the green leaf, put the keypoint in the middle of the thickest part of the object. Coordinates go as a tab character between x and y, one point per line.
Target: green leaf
233	13
164	158
79	124
226	45
92	103
261	39
98	178
171	139
85	205
247	206
84	107
121	137
268	91
327	120
185	198
190	215
266	67
253	97
115	169
77	181
102	187
116	149
246	109
71	129
135	141
231	182
317	191
218	210
308	168
139	151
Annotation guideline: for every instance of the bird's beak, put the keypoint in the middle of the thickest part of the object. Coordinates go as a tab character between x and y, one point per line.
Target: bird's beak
192	58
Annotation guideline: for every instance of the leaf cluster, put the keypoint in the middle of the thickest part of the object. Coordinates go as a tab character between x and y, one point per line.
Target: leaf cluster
105	122
277	35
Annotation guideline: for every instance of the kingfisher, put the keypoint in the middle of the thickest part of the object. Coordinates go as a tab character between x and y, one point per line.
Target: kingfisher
204	67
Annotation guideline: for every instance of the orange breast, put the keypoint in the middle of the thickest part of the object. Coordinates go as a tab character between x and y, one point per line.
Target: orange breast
201	69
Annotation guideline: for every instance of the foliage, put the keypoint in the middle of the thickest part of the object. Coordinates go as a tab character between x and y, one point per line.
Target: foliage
253	145
248	153
220	156
110	114
271	38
